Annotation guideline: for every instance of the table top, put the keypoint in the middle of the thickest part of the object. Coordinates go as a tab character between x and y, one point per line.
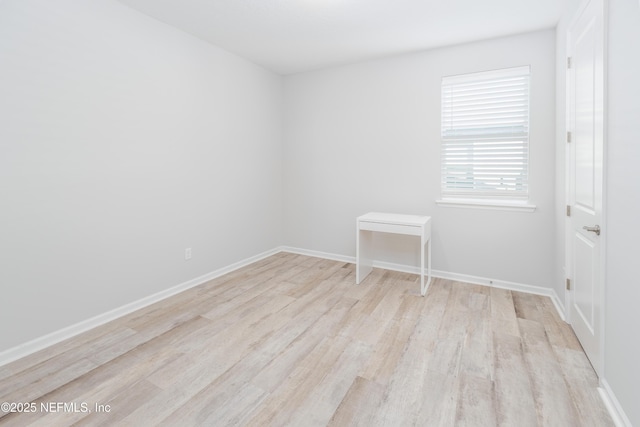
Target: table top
392	218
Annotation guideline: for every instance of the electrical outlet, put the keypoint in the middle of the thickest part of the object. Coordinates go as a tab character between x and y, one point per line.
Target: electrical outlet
187	254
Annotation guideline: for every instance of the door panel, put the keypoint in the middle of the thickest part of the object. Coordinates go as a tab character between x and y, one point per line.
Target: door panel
585	83
584	101
584	288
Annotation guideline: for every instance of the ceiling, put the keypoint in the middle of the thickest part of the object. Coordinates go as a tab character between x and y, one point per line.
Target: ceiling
290	36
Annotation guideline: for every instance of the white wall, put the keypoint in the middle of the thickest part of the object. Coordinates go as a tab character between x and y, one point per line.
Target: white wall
365	137
622	317
122	142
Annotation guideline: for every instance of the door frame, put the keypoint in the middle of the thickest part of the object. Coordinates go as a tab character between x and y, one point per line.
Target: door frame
568	183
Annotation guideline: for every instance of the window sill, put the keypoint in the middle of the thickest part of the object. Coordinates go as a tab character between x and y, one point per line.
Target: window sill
500	205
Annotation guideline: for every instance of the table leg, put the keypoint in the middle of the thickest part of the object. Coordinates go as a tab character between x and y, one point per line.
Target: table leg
422	289
364	263
424	286
429	263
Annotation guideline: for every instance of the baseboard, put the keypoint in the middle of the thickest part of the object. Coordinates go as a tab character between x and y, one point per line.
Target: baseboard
503	284
48	340
40	343
318	254
476	280
555	299
620	419
608	397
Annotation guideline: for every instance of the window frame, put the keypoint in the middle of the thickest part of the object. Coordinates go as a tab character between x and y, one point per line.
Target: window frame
487	114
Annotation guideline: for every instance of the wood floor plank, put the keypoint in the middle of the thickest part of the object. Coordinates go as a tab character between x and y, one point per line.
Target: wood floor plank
503	313
214	400
515	403
161	405
388	350
126	402
439	400
403	395
49	368
281	404
476	405
99	386
324	294
70	347
212	293
553	400
240	337
359	404
357	317
291	340
279	369
234	412
359	291
583	382
374	323
322	402
559	332
454	313
477	349
48	383
526	306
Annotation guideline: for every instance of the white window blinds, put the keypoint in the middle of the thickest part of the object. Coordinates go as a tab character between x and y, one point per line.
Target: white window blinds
485	134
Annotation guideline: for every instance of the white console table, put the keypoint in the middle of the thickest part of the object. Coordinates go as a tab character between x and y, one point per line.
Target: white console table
412	225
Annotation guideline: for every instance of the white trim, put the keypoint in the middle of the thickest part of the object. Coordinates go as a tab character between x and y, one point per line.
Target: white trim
608	397
48	340
483	281
557	303
472	110
618	415
476	280
499	205
605	193
55	337
318	254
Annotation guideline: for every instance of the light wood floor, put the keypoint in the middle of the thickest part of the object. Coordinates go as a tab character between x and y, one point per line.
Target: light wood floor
291	340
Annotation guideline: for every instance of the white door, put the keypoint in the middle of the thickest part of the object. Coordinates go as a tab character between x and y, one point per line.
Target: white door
585	89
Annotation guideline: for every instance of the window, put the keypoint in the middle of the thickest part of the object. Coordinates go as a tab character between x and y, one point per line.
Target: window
485	135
